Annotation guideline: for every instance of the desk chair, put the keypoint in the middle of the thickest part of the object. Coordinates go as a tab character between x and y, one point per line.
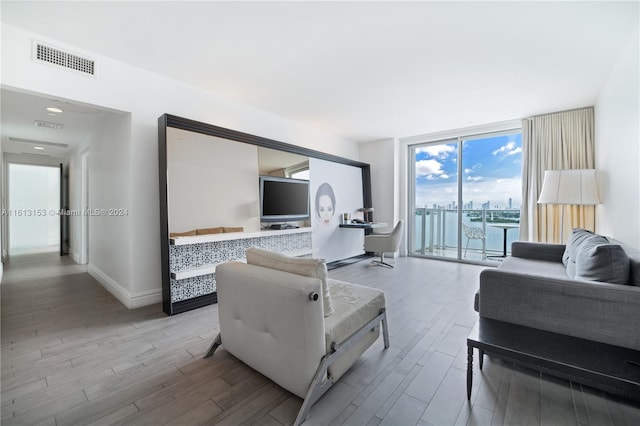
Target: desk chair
381	243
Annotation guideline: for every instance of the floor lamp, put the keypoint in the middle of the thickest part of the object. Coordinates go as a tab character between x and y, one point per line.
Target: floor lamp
569	187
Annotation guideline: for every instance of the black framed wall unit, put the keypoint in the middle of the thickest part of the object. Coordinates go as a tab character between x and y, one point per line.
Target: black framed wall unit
222	138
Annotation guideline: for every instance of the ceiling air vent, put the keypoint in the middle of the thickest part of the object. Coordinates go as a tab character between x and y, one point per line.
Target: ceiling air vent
54	56
48	125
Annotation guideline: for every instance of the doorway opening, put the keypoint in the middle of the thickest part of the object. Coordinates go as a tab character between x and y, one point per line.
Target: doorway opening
33	209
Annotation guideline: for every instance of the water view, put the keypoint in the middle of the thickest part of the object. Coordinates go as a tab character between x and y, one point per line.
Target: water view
440	231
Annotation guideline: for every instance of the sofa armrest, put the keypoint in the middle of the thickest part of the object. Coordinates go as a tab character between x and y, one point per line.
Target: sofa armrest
608	313
538	251
268	321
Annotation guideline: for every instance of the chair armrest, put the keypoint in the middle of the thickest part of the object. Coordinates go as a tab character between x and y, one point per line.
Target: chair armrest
602	312
538	251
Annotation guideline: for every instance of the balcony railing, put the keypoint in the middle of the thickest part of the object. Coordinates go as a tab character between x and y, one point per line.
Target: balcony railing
436	232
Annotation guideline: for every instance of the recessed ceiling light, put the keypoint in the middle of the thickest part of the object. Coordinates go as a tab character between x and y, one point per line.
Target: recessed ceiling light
39	148
54	109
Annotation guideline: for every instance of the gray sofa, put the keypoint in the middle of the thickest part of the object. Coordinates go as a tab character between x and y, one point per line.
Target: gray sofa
589	288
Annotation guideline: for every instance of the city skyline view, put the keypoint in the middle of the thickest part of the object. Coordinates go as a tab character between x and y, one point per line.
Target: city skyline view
491	173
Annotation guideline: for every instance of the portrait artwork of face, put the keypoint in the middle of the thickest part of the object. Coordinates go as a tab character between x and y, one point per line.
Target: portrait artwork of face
325	204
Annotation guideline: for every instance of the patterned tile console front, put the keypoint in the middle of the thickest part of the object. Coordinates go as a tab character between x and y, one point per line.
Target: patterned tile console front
189	288
195	256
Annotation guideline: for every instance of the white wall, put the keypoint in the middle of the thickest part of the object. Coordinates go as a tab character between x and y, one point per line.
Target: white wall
211	182
617	122
75	231
387	183
383	157
111	232
146	96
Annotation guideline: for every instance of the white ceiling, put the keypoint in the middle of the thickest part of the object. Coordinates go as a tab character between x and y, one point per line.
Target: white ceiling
21	110
361	70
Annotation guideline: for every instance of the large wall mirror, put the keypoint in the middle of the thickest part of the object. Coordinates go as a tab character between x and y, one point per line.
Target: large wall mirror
209	182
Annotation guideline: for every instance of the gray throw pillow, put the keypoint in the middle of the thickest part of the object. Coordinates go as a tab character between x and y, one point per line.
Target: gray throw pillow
602	262
578	238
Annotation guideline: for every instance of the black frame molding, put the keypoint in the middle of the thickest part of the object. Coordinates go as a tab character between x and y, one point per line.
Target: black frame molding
168	120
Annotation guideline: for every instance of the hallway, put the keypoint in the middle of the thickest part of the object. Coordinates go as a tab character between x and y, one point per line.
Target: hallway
41	265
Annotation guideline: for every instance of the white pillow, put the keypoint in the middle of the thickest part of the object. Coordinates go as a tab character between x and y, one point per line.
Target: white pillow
313	268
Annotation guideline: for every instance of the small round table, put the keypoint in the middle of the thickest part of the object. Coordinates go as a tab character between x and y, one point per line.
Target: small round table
505	227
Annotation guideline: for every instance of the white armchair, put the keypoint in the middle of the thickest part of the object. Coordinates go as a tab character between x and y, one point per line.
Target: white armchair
273	317
381	243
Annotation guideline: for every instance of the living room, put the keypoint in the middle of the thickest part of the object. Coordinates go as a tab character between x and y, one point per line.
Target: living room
481	85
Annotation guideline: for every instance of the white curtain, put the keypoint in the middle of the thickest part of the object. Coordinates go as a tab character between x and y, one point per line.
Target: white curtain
562	140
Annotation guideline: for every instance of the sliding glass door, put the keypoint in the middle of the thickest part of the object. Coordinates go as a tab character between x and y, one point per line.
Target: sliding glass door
435	225
466	196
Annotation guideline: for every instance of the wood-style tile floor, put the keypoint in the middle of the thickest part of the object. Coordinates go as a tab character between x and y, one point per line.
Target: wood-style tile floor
73	354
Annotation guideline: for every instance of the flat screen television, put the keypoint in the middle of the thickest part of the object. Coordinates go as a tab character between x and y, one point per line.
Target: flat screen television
283	199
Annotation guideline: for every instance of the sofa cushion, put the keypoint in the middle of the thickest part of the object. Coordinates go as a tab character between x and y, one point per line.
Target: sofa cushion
597	261
535	267
634	265
528	267
578	236
314	268
354	305
634	261
578	239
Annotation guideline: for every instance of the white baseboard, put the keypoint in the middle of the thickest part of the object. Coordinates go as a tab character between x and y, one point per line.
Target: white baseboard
75	257
130	300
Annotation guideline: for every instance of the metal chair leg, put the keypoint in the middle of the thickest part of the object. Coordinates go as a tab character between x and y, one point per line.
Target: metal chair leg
216	342
385	329
381	262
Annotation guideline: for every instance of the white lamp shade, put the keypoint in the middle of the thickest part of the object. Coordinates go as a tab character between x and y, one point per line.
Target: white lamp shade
576	186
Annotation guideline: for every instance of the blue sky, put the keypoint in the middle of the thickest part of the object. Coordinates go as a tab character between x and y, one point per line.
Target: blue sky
492	170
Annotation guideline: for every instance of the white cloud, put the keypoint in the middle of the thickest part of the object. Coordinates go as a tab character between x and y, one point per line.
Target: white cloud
508	149
474	178
444	176
428	168
438	151
472	168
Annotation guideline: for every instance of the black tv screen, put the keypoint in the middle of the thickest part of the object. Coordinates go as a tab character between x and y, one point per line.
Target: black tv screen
283	199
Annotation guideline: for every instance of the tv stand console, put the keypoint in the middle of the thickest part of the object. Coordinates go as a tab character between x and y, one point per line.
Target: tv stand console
283	226
193	261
